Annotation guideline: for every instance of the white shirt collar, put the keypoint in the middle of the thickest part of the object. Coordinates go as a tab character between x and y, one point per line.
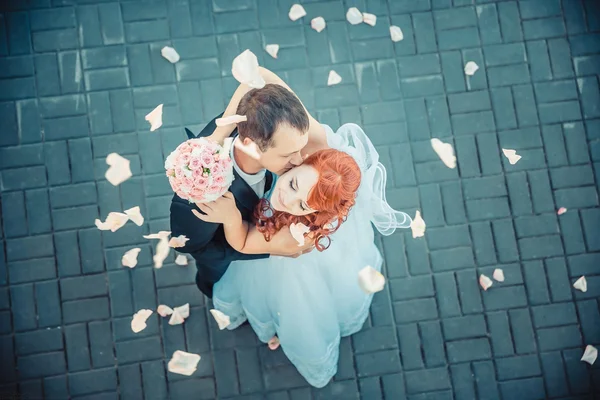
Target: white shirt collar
251	179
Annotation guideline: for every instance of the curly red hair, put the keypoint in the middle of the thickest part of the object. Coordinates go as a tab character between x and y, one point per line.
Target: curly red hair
332	196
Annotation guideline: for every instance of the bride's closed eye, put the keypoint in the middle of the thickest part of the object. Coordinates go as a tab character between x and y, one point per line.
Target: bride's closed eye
302	207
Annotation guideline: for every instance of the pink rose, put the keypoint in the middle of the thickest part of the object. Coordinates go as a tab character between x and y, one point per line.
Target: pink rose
219	180
207	160
201	182
215	189
195	164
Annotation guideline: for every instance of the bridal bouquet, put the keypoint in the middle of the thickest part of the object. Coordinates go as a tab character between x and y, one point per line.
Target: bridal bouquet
200	170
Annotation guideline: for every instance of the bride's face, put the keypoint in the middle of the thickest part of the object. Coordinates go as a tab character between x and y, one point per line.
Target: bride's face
291	191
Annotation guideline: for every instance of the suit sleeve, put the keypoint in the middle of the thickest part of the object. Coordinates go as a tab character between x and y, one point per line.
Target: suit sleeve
201	243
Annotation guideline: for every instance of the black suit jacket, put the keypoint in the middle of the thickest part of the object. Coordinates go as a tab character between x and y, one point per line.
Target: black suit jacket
207	242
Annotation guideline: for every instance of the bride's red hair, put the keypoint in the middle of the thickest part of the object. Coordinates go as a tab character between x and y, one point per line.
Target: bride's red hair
332	196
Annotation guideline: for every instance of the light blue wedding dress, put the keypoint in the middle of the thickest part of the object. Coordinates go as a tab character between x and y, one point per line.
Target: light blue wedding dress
311	301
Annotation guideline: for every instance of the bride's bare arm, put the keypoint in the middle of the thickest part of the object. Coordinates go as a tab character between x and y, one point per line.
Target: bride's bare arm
246	239
316	132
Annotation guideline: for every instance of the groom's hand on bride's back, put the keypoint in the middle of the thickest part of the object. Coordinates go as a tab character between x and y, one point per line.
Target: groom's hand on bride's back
284	244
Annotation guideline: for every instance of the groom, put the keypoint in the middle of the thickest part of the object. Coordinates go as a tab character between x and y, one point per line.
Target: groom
277	127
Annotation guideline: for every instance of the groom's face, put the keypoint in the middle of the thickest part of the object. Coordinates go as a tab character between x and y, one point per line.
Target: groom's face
284	153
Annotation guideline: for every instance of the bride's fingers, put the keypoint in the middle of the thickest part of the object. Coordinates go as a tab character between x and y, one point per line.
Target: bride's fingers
200	216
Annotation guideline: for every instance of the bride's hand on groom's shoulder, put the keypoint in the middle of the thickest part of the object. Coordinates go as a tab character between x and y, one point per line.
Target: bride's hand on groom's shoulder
221	211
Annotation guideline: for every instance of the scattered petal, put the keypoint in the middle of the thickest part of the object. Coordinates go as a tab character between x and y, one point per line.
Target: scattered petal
155	118
512	156
274	343
333	78
445	152
296	12
170	54
470	68
590	354
119	170
222	320
354	16
181	260
272	49
138	323
161	252
396	33
318	24
164	311
178	241
183	363
159	235
245	70
298	230
129	259
370	19
114	221
418	225
370	280
233	119
561	211
135	215
485	282
581	284
180	314
498	275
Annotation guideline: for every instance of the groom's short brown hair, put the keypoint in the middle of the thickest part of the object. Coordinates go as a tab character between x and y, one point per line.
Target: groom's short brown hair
268	108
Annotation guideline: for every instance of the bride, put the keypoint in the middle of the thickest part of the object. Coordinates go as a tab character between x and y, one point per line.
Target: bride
306	304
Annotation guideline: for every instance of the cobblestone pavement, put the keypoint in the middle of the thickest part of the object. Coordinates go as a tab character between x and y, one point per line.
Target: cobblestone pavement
77	78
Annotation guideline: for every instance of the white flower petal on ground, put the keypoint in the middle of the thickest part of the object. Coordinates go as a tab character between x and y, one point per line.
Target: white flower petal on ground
296	12
354	16
161	252
318	24
170	54
485	282
333	78
119	169
272	49
129	259
180	314
114	221
245	69
396	33
581	284
178	241
470	68
561	211
298	230
445	152
164	310
138	322
159	235
370	280
511	155
183	363
498	275
370	19
135	215
155	118
222	320
233	119
590	354
418	226
181	260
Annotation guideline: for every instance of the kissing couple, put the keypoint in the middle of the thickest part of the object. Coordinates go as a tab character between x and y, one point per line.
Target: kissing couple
290	171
